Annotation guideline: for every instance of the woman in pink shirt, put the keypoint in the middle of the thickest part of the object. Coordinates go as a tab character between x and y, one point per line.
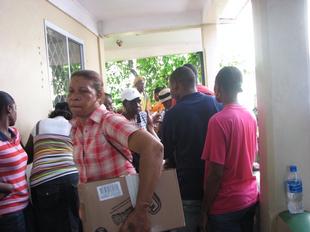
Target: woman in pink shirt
13	161
230	193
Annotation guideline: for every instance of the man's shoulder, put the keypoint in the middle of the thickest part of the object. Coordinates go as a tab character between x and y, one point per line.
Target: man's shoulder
210	101
234	115
172	111
198	98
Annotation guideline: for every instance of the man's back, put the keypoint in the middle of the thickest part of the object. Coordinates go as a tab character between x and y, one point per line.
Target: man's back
184	131
231	142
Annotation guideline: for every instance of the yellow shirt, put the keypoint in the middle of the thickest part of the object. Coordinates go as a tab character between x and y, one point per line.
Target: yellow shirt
145	102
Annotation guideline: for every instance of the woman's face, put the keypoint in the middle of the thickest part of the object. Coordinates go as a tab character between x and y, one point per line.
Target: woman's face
12	115
83	99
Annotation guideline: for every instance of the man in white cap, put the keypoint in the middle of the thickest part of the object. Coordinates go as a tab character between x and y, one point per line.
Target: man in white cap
131	102
132	106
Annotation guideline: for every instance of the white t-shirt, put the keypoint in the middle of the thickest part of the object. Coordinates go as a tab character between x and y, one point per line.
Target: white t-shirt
58	125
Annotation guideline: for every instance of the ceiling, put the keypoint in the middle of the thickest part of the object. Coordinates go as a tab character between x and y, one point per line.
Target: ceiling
142	28
125	9
111	17
135	46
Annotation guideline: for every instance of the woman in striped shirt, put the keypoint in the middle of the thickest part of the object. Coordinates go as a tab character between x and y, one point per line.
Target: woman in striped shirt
13	162
54	176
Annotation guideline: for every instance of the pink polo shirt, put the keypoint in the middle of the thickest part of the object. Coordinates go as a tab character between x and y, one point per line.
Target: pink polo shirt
231	142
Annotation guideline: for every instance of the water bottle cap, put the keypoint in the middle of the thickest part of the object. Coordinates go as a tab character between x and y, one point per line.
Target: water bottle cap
293	168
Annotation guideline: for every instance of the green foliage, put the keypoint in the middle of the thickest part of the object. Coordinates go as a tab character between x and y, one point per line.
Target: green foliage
155	70
118	74
60	80
60	75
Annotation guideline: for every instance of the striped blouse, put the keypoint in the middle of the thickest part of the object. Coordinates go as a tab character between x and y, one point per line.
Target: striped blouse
13	163
52	157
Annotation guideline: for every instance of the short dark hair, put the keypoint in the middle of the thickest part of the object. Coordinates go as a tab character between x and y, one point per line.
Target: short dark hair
193	68
229	78
5	100
91	75
185	76
158	89
61	109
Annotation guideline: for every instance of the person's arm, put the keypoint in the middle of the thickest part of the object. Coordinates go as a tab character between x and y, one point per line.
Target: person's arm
168	134
29	149
150	125
214	154
5	189
213	178
151	157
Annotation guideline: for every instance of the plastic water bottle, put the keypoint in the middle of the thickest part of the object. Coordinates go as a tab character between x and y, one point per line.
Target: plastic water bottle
294	191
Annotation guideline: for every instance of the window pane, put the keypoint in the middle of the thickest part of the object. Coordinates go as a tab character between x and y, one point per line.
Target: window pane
58	62
75	55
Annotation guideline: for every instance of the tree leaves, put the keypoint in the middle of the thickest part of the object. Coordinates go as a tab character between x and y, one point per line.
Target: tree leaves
155	70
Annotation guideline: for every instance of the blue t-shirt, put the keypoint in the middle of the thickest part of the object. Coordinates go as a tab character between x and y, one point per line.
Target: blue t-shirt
183	136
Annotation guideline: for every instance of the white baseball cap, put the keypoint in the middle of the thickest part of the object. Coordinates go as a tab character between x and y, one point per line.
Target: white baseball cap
129	94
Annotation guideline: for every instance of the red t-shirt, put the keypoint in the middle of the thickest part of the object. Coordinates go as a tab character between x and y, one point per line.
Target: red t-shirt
13	163
204	89
231	142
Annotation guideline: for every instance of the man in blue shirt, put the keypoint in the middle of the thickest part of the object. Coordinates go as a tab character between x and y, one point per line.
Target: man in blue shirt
184	131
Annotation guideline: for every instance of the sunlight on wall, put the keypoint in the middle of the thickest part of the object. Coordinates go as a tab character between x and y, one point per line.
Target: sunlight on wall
308	6
236	42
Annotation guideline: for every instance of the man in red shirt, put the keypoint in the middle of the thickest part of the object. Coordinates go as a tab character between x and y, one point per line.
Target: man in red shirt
200	88
230	194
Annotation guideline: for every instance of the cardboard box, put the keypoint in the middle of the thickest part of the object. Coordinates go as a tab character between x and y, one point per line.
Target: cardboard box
106	204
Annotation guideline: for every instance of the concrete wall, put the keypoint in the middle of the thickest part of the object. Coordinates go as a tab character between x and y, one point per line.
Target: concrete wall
23	58
283	91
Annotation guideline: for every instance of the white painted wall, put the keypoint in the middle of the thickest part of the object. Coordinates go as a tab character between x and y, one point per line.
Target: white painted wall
283	90
23	58
211	53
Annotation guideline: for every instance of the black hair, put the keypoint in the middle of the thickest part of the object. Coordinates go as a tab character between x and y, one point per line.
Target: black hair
90	75
185	76
61	109
158	89
193	68
5	100
229	78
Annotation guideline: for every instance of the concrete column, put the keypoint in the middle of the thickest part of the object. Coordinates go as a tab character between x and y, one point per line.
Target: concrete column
211	53
282	73
101	58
